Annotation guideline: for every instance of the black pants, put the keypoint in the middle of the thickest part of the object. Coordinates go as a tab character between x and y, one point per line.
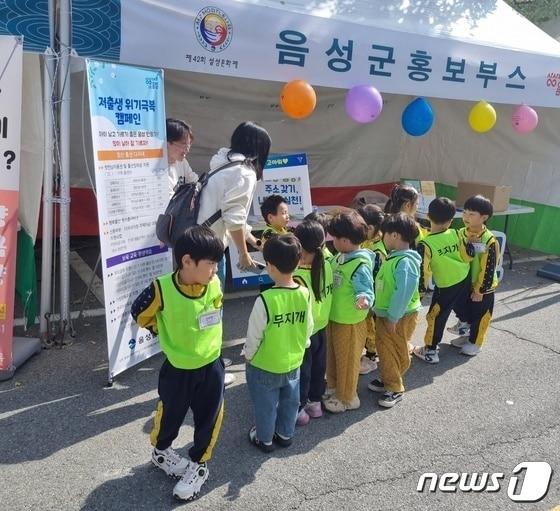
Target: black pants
443	301
478	315
312	371
201	390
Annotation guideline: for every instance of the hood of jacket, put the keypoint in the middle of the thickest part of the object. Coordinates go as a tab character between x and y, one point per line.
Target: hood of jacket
412	254
221	158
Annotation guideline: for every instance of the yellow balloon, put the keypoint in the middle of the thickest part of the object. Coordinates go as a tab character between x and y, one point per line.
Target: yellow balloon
482	117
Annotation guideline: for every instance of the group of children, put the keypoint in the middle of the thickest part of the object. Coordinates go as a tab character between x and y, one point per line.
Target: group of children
316	320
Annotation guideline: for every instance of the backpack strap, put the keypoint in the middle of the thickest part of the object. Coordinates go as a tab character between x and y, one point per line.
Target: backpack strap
218	214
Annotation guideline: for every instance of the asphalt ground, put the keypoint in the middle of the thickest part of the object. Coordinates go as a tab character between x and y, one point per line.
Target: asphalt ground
69	443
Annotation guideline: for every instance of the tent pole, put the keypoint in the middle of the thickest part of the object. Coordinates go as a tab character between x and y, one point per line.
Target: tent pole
64	189
47	247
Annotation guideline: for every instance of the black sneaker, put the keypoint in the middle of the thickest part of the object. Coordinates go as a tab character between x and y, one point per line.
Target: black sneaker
390	399
376	385
257	443
372	355
282	442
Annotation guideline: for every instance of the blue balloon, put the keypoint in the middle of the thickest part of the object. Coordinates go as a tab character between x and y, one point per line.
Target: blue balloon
417	117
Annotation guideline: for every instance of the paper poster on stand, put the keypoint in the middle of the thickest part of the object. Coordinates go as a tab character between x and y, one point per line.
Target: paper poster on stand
129	144
286	175
11	58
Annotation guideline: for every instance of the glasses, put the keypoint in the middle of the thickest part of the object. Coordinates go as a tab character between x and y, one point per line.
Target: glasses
185	147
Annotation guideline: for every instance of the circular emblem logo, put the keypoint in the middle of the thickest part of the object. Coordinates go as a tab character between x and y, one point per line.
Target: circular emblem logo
213	29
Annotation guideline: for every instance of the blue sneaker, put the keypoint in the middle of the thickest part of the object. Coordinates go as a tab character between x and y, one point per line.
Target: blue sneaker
461	328
426	354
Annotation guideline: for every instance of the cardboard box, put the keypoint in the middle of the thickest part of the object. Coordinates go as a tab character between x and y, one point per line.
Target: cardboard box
499	195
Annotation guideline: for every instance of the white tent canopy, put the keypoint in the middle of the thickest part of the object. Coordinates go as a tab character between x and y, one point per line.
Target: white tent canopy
341	152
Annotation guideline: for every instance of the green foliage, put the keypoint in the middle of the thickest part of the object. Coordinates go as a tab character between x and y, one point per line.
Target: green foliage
537	11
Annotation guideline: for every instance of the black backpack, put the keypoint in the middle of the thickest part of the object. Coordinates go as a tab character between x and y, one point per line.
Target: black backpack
182	210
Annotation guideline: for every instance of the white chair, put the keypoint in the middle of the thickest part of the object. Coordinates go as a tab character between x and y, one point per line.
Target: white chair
501	237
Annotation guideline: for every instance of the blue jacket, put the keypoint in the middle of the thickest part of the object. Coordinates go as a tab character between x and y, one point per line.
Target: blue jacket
407	276
362	280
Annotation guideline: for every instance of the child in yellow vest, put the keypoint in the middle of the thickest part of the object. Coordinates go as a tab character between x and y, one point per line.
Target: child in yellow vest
324	219
404	199
352	298
280	325
397	302
274	210
315	273
190	333
446	257
373	216
476	311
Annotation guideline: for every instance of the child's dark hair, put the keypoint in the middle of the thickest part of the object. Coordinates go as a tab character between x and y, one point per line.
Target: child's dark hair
479	204
177	129
323	218
270	205
349	225
400	195
402	224
311	235
283	251
441	210
373	216
199	242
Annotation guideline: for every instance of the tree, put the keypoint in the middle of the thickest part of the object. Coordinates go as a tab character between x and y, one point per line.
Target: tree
537	11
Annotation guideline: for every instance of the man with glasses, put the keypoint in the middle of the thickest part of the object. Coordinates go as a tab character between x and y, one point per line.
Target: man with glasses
179	141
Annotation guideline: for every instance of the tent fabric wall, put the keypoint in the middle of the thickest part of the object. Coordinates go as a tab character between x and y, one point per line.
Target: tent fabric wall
346	157
32	140
452	152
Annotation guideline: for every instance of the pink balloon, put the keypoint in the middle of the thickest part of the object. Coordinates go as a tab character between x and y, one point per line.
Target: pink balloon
364	103
524	119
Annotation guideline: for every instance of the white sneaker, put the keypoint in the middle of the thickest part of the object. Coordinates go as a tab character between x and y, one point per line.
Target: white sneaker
229	379
227	361
328	393
459	342
470	349
188	487
334	405
367	365
426	354
171	462
461	328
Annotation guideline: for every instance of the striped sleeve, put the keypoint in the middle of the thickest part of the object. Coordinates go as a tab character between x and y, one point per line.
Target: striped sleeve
488	263
146	306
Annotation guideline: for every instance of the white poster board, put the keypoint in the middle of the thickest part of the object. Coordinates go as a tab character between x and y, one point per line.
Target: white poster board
286	175
129	143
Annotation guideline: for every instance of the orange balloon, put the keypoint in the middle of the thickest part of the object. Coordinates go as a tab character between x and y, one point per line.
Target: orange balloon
298	99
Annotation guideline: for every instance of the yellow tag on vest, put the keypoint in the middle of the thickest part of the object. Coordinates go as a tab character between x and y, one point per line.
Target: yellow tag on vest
208	319
479	248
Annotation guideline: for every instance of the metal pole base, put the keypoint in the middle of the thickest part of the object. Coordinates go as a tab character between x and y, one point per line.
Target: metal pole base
23	349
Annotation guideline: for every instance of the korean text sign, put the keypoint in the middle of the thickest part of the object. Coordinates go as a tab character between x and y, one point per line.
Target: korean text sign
11	55
128	131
